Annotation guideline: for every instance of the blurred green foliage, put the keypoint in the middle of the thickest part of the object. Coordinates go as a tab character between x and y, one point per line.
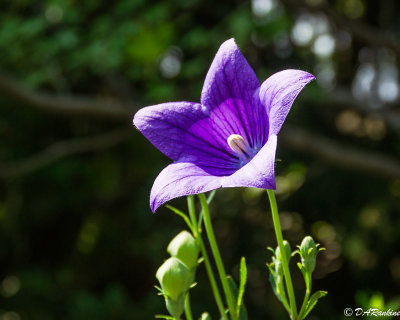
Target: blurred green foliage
77	238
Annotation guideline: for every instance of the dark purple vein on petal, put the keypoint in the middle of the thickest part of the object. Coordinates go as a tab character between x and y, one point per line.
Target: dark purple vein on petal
222	115
246	107
197	137
208	133
236	107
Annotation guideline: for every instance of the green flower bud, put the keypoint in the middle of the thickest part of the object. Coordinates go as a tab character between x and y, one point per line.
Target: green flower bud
287	249
174	277
205	316
278	258
308	251
184	247
278	263
176	307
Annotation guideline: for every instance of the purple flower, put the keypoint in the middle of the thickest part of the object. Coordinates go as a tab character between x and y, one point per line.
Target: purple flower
227	140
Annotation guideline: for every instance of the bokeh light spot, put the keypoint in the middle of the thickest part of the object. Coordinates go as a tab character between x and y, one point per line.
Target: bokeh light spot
369	217
10	286
54	13
170	64
348	122
302	33
262	8
324	45
323	231
10	315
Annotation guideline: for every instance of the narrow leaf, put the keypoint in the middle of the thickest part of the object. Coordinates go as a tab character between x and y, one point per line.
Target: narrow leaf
313	301
211	196
162	316
182	215
159	289
273	283
232	284
242	285
271	249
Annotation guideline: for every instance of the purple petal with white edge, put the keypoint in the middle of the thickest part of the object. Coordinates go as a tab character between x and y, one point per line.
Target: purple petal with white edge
184	132
278	92
228	94
259	172
181	179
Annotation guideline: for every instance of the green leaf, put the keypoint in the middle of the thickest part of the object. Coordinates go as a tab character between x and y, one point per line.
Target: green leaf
303	271
377	301
162	316
273	282
271	249
243	280
182	215
232	284
211	196
160	291
313	301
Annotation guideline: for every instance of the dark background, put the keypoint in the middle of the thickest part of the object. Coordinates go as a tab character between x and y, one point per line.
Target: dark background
77	237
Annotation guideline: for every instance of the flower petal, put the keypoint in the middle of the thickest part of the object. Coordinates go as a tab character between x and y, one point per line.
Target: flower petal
184	132
181	179
228	94
259	172
278	92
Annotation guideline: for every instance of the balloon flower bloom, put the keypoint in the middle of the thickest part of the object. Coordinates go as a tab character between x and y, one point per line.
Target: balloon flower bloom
227	140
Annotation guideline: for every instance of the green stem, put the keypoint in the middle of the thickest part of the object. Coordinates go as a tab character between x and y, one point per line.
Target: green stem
285	265
192	215
303	307
281	292
217	257
188	310
306	297
211	277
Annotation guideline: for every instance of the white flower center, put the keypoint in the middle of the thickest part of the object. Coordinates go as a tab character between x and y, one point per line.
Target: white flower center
240	147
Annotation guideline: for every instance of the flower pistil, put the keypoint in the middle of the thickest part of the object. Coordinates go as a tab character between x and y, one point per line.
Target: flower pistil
240	147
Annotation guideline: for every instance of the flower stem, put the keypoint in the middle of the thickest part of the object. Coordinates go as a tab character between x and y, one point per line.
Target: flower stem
282	294
217	257
303	307
188	310
306	296
211	277
285	265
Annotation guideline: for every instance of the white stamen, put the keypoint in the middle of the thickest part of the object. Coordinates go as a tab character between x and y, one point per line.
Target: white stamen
238	145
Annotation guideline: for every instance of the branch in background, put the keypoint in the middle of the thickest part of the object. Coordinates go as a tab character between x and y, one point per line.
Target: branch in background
366	34
63	149
387	112
338	155
295	138
342	98
360	31
63	104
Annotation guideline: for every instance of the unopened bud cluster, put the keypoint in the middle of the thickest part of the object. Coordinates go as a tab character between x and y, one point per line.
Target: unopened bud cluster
176	274
184	248
276	269
277	258
308	251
